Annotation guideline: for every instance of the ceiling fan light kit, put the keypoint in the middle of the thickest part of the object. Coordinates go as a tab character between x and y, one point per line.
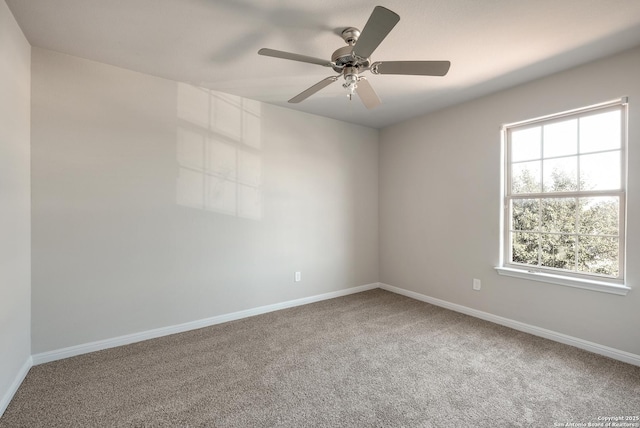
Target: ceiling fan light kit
355	58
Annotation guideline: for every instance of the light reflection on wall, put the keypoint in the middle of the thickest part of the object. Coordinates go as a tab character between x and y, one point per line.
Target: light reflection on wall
218	152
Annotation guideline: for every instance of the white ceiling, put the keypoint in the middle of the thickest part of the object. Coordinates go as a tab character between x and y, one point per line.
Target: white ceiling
492	44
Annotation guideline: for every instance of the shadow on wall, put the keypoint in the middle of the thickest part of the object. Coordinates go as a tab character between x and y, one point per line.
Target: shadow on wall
218	152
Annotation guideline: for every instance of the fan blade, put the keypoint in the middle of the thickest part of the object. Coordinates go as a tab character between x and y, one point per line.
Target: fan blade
293	57
421	68
367	95
312	90
380	23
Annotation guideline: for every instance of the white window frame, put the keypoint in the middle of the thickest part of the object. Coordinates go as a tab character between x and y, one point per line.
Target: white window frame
588	281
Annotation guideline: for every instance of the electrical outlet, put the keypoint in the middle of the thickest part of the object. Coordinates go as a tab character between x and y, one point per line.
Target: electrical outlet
298	277
477	284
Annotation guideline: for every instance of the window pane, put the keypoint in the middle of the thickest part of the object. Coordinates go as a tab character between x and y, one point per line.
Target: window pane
525	177
525	214
525	144
600	171
600	132
598	255
599	215
524	247
559	215
558	251
561	175
561	138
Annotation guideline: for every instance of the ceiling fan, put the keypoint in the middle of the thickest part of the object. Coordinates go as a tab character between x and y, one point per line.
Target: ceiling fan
354	59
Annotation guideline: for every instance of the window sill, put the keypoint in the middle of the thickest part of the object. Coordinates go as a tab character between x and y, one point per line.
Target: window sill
604	287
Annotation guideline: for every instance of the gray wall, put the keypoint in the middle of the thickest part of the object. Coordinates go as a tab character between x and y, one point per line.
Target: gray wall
15	229
440	201
156	203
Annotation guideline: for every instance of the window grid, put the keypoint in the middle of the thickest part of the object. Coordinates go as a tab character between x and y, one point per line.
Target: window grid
579	195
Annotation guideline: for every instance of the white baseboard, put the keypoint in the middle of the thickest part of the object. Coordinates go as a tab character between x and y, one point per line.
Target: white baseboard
72	351
58	354
13	388
596	348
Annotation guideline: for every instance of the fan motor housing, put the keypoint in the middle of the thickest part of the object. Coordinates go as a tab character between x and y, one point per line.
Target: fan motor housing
343	58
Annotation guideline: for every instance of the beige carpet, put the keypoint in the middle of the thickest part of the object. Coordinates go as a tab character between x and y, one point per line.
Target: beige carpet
373	359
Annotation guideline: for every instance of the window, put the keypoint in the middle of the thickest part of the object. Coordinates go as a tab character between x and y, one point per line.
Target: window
564	198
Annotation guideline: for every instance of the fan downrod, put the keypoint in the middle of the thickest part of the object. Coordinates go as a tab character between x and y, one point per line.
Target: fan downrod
350	35
343	57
